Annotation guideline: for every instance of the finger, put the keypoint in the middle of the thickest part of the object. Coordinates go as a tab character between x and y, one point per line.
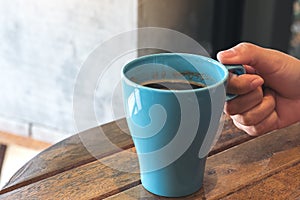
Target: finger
243	84
267	125
243	103
265	61
270	64
258	113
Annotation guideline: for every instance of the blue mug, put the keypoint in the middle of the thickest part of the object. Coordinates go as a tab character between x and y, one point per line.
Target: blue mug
173	128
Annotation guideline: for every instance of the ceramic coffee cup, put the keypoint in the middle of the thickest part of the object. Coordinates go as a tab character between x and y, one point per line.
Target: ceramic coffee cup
173	104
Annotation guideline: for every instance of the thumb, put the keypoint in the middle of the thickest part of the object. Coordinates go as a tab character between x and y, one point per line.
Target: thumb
264	61
270	64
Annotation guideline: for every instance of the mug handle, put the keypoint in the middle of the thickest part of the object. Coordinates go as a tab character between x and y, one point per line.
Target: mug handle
238	70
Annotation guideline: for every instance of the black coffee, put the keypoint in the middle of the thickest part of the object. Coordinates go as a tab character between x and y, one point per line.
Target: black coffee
173	85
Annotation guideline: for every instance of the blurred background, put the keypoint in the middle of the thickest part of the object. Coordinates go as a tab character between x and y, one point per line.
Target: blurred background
44	43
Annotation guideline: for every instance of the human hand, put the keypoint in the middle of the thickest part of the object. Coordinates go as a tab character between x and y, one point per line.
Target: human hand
257	110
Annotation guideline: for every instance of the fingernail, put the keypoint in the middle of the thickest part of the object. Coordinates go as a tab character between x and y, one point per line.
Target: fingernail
256	83
228	53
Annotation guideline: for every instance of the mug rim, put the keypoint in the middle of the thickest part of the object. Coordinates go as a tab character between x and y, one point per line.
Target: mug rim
208	87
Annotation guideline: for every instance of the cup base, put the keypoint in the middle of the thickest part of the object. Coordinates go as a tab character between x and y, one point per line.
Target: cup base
174	193
171	186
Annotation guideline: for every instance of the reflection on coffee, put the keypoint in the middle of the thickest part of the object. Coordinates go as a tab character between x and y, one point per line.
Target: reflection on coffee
173	85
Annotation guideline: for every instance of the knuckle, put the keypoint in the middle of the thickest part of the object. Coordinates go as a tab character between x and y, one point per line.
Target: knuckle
257	97
236	84
260	92
247	120
230	108
240	88
253	130
258	130
245	47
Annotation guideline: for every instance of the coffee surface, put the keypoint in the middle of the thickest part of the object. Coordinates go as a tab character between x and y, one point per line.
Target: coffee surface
173	85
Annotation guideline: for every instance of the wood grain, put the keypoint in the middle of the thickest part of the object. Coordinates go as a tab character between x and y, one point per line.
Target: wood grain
242	166
72	152
283	185
93	180
91	145
226	173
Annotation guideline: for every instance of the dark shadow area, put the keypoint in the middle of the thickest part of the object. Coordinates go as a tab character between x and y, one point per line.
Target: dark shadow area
219	25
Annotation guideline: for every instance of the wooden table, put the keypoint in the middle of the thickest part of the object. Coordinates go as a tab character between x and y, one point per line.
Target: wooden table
239	167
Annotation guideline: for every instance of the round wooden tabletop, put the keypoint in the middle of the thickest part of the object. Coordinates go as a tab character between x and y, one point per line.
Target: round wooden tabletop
238	167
